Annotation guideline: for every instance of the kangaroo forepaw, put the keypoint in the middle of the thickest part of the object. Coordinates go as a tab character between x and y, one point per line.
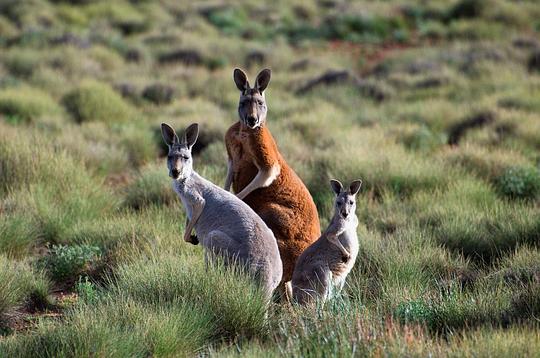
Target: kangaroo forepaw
192	239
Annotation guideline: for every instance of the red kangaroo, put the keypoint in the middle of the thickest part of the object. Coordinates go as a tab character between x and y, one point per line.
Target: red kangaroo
263	179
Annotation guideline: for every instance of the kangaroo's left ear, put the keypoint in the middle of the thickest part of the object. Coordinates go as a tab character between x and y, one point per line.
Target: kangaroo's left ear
191	134
355	187
168	133
336	186
263	79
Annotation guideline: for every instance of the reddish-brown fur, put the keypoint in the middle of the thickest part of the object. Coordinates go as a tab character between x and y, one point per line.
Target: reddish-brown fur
286	205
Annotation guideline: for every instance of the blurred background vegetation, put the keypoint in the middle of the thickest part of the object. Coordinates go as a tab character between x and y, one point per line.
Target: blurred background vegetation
435	105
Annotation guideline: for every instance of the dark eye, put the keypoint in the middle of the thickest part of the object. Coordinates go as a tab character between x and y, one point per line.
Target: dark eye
185	157
351	202
339	203
260	103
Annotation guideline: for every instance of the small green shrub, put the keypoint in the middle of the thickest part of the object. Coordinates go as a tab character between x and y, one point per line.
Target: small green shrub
68	262
22	63
26	104
94	100
520	182
86	290
414	312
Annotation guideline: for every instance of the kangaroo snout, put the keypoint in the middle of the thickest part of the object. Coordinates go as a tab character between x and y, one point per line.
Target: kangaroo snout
251	121
175	173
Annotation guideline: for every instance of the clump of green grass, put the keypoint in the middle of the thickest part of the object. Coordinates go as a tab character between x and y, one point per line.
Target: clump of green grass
117	326
229	297
20	286
152	187
22	63
520	182
93	100
17	235
25	104
470	219
47	187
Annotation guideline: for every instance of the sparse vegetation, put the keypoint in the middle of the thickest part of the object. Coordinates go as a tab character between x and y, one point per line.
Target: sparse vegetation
435	105
97	101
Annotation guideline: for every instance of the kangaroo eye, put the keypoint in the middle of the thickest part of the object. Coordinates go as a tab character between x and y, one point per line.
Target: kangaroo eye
351	202
260	103
185	157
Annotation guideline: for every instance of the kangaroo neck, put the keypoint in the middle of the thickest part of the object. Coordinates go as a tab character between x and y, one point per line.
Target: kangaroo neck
252	131
188	185
340	221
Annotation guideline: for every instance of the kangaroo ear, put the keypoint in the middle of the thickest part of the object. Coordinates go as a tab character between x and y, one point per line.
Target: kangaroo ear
336	186
241	80
263	79
190	135
355	187
169	135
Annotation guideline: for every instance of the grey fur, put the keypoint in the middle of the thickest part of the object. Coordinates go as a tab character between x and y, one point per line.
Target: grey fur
224	224
321	270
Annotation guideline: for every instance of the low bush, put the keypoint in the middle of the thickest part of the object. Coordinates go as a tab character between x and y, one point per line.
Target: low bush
93	100
26	104
66	263
520	182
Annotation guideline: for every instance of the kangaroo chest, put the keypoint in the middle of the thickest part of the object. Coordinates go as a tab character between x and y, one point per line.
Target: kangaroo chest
340	270
243	164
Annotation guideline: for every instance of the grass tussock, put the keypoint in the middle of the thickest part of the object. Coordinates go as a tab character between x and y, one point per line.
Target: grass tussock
93	100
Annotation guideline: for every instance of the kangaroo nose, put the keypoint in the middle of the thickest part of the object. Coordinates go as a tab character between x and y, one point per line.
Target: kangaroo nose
175	173
251	120
345	214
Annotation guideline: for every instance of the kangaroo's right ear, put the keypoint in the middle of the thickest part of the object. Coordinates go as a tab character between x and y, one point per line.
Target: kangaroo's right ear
169	135
241	80
263	79
336	186
191	134
355	187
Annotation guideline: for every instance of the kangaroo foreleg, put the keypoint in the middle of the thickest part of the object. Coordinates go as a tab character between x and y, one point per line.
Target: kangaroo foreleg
192	238
263	179
332	235
196	212
229	178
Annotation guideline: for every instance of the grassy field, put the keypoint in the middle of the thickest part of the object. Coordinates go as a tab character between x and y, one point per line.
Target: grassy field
435	105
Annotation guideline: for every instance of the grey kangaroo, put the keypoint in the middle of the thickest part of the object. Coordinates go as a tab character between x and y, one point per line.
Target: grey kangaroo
224	224
322	268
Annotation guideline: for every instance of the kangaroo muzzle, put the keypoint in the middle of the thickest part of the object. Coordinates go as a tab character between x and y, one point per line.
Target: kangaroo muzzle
175	173
251	121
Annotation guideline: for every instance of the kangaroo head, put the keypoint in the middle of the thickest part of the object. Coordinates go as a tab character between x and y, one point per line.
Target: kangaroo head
252	104
345	203
179	159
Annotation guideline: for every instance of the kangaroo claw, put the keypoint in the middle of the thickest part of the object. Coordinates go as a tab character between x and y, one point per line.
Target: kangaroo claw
194	239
